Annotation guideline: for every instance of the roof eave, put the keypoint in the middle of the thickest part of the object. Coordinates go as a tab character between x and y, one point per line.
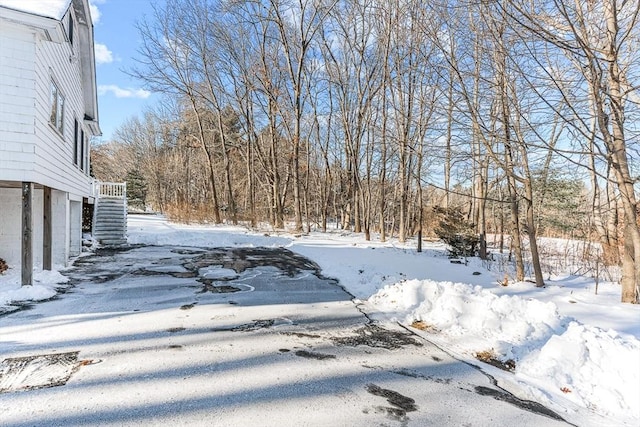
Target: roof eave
49	27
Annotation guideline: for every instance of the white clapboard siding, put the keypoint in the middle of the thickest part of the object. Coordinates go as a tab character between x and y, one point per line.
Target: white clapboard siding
17	102
54	152
31	149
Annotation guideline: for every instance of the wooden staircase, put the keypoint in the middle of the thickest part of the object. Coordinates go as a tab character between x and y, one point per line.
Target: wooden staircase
110	215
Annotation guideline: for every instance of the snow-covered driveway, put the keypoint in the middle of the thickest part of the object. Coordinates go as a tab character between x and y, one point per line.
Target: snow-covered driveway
162	335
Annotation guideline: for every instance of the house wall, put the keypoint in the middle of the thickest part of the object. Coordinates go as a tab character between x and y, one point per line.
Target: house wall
75	229
11	227
34	51
54	154
31	149
60	223
17	102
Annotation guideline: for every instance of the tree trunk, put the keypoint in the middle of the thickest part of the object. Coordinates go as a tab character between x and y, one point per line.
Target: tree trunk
631	256
212	174
227	169
531	231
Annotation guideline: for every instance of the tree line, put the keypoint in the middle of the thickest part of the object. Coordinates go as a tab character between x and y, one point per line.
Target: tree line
383	116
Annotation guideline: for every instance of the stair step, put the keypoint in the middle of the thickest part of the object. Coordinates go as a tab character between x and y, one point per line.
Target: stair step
105	226
111	220
110	226
110	234
113	242
119	207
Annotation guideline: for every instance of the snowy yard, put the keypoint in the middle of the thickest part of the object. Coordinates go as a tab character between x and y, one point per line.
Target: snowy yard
574	351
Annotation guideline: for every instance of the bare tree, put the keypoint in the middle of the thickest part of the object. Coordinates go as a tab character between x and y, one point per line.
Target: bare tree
597	36
167	65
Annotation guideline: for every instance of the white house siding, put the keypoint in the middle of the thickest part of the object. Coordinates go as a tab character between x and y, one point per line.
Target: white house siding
75	229
17	102
11	229
55	167
31	150
61	224
62	233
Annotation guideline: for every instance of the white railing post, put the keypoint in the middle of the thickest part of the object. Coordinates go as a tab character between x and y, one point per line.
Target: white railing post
115	190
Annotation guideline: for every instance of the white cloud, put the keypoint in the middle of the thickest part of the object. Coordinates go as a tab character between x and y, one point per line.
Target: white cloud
119	92
95	12
103	54
50	8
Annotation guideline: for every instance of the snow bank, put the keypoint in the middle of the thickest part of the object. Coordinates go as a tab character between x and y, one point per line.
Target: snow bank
589	366
585	364
44	287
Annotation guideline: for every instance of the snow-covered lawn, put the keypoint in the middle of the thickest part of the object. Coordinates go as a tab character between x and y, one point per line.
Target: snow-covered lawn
573	350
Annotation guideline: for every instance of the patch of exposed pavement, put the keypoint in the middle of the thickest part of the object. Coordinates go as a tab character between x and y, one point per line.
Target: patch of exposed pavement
400	404
373	335
241	259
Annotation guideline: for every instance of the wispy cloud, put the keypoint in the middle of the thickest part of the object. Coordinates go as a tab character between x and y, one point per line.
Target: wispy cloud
119	92
50	8
95	12
103	54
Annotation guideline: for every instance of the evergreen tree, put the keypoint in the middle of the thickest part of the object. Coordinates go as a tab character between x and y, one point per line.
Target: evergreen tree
136	190
456	232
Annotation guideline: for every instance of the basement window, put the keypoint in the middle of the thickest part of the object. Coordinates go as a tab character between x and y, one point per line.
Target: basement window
57	108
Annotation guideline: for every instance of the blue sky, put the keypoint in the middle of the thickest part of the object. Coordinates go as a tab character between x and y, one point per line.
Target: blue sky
117	40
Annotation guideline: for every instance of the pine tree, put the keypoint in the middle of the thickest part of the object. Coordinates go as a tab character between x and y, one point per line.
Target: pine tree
136	190
456	232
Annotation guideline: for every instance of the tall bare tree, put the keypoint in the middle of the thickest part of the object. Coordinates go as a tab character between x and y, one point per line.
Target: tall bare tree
598	37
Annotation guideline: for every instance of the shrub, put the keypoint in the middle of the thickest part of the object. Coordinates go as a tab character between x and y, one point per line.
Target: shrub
458	233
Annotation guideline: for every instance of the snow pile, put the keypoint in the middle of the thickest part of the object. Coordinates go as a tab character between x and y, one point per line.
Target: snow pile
44	287
472	317
590	367
594	368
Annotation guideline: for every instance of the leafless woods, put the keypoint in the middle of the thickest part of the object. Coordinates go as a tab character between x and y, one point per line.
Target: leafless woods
367	114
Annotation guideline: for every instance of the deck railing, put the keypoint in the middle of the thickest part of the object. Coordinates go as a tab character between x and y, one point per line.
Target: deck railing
115	190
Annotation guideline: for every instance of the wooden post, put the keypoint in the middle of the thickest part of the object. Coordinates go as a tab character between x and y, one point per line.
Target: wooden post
47	231
27	233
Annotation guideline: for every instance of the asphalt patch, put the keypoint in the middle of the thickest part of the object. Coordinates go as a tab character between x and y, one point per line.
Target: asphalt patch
208	286
413	374
313	355
145	272
182	251
241	259
253	326
377	337
401	404
301	335
184	274
527	405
